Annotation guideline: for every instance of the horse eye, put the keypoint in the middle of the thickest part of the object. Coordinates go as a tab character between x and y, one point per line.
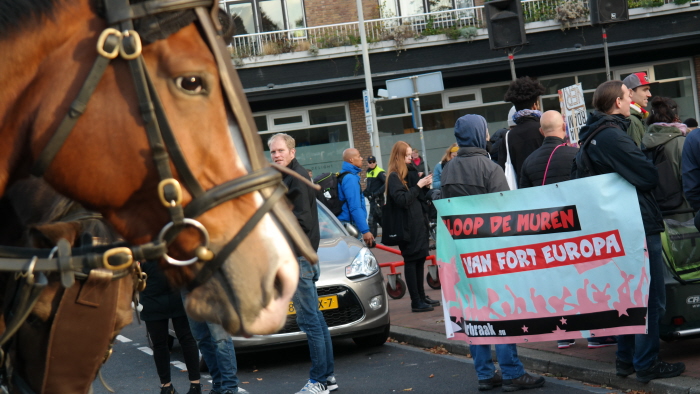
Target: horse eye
190	84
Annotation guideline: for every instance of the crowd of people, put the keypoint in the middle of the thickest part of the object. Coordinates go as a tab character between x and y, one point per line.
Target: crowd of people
624	134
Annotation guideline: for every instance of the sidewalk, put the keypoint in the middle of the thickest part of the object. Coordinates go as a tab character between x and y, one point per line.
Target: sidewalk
596	366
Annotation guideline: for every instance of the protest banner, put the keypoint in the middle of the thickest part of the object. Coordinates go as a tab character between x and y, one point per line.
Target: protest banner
573	108
555	262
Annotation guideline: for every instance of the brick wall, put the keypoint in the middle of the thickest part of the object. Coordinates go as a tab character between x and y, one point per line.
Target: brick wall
359	132
329	12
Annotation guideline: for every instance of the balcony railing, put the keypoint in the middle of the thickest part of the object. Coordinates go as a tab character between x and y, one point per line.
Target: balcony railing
455	24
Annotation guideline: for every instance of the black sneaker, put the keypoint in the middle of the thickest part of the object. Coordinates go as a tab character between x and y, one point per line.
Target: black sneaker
168	390
421	307
429	301
659	370
488	384
524	382
623	368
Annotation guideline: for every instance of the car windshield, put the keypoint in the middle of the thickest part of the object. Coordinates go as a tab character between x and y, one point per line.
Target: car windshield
328	226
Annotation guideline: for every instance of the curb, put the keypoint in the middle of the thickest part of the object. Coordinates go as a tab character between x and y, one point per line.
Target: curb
556	364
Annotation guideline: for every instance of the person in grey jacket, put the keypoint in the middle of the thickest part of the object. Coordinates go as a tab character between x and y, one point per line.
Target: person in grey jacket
471	172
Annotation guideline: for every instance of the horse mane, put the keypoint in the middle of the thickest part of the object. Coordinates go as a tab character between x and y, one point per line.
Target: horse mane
14	13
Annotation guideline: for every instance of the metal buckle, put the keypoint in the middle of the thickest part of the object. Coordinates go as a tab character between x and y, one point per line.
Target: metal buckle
112	252
137	41
29	272
161	193
201	254
103	38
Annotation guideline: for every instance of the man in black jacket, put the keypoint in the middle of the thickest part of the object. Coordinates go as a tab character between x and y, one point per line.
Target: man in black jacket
375	181
612	150
524	138
551	162
309	317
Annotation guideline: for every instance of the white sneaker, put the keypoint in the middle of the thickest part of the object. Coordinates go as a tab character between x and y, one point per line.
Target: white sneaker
313	388
331	383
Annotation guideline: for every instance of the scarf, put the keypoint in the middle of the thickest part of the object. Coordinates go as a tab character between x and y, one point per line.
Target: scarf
520	116
645	113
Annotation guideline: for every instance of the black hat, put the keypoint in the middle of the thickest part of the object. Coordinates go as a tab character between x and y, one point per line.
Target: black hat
371	159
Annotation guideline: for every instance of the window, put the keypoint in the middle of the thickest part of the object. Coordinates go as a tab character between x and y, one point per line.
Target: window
391	8
321	134
258	16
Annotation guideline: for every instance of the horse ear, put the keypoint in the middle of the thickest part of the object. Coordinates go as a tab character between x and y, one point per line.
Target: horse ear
47	235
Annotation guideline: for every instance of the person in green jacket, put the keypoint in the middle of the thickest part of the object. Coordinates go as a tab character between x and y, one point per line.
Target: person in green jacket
664	128
639	84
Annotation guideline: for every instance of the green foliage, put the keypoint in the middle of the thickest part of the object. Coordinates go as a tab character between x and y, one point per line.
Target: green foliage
644	3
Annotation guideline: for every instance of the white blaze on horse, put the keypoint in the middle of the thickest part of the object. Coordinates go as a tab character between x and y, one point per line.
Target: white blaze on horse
134	111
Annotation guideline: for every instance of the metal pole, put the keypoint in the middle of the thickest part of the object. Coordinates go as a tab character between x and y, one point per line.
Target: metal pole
419	122
511	58
374	133
605	50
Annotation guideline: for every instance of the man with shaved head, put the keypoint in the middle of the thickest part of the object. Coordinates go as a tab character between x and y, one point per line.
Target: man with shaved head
350	193
551	162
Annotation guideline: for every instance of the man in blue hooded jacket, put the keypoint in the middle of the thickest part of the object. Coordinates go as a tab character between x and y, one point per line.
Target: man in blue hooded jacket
350	192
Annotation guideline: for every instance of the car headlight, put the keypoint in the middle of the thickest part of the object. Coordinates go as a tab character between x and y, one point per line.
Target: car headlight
363	265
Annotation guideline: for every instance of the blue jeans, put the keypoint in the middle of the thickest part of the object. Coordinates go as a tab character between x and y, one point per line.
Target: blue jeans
310	320
217	350
507	355
643	349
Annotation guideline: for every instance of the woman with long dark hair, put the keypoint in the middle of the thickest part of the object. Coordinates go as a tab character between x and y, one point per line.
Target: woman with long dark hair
403	189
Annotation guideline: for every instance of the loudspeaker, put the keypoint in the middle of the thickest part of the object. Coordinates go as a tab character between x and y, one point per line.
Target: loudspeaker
608	11
505	23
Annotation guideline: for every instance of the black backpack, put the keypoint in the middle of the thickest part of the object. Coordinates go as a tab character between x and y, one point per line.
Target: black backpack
669	192
328	195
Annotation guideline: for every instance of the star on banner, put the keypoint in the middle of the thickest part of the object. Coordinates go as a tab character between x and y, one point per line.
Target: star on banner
558	330
563	321
525	328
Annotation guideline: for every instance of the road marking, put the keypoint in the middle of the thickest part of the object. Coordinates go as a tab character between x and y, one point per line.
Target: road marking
146	350
124	339
179	364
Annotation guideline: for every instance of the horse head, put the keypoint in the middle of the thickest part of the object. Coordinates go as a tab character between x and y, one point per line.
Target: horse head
110	161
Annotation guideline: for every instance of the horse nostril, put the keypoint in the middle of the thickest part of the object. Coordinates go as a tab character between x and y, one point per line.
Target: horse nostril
278	287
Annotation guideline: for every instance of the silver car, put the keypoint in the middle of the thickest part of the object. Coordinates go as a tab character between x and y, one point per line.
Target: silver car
351	293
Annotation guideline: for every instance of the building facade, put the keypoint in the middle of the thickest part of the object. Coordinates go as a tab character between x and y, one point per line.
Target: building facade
308	81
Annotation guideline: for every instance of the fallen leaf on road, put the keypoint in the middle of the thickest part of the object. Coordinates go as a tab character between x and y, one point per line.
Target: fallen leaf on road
245	382
440	349
259	378
390	339
591	385
407	389
255	370
431	376
565	378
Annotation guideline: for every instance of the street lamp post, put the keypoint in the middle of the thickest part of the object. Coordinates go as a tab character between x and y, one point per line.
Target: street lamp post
371	120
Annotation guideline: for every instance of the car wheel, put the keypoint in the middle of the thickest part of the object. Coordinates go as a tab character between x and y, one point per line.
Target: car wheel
373	340
434	284
399	291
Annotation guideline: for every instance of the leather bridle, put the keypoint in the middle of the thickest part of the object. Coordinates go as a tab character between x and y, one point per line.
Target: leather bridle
122	40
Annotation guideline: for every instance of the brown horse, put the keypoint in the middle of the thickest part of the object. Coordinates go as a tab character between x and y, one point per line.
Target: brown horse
109	162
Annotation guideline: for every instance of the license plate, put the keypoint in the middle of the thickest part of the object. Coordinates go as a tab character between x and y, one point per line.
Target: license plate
326	302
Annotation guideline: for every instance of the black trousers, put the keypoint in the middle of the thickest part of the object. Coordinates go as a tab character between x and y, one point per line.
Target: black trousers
413	271
158	332
375	214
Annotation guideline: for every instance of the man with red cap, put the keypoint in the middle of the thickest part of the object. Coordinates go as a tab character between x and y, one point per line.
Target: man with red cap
638	83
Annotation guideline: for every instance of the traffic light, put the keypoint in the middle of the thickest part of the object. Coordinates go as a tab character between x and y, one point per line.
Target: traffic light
505	23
